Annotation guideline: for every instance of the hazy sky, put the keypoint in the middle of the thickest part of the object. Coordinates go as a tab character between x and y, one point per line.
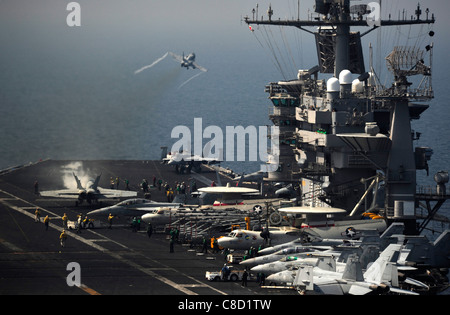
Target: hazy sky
44	61
169	24
193	18
191	23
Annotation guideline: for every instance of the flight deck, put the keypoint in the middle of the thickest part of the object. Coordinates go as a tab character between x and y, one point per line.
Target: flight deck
109	261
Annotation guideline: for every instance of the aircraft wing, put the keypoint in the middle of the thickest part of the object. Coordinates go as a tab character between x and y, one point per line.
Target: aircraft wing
359	290
200	67
176	57
63	193
401	291
114	193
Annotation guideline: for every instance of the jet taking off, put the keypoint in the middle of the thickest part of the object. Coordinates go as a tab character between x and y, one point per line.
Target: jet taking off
188	61
91	192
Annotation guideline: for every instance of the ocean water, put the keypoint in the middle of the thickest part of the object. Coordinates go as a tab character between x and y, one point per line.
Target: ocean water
73	94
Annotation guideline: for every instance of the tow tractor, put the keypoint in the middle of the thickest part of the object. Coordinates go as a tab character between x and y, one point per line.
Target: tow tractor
73	225
235	275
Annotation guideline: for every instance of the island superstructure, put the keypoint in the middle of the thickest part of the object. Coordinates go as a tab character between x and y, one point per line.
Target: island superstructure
347	141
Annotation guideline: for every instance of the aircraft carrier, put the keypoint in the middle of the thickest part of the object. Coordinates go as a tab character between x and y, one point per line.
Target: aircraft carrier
344	142
345	138
112	261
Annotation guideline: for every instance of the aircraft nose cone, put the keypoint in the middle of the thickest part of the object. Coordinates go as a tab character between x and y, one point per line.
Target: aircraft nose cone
259	268
102	211
265	251
248	262
147	217
273	278
224	242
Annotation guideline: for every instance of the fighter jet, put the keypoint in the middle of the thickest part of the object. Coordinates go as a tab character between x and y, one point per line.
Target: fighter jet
367	236
90	193
168	215
185	161
160	216
339	257
252	177
133	207
187	61
265	259
380	277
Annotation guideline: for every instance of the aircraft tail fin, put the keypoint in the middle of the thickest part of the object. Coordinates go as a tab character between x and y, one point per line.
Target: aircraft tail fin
370	254
442	243
326	263
392	234
394	228
377	271
442	248
219	181
241	179
79	186
163	152
97	180
304	278
353	269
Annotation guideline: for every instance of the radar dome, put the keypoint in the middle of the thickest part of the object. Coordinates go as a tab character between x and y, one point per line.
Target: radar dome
345	77
357	86
333	85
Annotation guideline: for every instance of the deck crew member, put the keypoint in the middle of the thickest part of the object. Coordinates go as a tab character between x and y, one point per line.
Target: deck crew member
79	221
37	215
110	217
62	238
46	221
64	219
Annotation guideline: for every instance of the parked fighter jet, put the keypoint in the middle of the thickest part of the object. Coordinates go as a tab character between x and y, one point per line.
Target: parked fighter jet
266	259
160	216
187	61
185	161
90	193
367	236
132	207
339	257
252	177
380	277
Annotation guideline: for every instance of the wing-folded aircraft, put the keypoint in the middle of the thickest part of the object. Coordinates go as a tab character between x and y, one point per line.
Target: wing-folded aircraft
89	193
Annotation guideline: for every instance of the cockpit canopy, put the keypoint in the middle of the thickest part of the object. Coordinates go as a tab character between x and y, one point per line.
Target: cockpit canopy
235	234
130	202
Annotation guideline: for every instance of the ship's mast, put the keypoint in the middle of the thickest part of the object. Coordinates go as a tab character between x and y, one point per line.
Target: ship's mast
336	14
347	135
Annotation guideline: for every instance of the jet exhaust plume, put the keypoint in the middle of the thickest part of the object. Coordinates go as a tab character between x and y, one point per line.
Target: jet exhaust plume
153	64
185	82
77	169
